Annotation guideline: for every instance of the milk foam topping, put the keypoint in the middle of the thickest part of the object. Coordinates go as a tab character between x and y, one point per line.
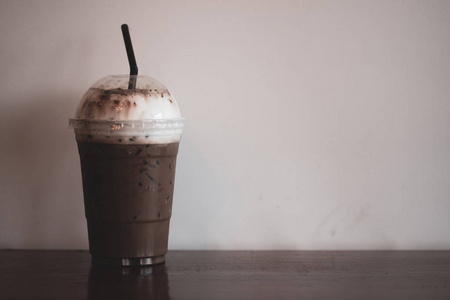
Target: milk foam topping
111	113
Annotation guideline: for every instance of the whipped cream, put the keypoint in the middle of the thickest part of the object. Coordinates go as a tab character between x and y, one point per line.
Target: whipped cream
111	113
124	104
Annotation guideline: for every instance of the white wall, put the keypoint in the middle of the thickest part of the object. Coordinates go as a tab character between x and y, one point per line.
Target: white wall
313	124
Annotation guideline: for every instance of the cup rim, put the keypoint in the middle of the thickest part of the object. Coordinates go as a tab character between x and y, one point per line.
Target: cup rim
124	125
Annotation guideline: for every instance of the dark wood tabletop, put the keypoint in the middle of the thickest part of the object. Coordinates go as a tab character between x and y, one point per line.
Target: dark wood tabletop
44	274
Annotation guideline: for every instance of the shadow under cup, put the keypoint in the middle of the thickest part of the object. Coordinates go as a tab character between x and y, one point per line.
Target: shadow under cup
128	172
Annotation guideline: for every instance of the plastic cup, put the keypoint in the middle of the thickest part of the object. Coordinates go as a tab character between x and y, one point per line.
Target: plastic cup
128	170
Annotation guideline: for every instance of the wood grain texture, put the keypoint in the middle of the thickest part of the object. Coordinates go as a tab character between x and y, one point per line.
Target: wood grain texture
36	274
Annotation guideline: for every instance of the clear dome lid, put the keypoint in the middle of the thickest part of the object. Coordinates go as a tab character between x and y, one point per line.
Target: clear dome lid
111	109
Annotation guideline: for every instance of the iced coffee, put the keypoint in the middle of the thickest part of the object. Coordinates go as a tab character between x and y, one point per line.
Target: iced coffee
128	142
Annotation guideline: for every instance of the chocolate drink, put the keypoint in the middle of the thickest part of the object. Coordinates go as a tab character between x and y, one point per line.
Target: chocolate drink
128	192
128	142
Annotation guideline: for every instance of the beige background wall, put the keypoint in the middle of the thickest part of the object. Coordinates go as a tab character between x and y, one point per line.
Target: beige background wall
313	124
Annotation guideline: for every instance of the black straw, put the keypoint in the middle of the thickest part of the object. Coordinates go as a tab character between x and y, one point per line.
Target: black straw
131	58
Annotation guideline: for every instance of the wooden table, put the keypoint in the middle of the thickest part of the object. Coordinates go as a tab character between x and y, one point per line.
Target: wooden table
26	274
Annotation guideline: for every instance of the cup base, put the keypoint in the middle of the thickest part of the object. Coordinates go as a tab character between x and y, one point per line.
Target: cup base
128	262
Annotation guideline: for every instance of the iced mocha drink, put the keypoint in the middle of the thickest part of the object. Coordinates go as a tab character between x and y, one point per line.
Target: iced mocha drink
128	143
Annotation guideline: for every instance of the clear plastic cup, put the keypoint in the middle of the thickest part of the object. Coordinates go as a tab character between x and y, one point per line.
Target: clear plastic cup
128	168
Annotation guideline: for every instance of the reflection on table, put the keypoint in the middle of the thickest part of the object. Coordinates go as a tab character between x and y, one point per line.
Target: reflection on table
128	283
